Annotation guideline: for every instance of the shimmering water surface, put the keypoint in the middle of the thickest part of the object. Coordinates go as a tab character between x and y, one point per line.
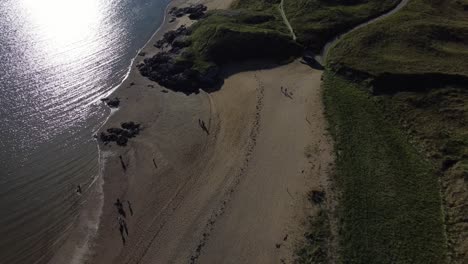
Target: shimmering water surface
57	59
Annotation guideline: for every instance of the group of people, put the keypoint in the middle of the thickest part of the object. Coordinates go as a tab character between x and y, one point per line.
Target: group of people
122	215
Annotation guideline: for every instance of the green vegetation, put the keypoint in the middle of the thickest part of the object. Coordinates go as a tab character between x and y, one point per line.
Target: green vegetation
437	119
255	29
437	122
390	204
417	60
426	36
317	21
315	250
241	34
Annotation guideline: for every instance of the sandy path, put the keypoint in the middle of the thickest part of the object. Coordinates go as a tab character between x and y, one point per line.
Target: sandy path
285	19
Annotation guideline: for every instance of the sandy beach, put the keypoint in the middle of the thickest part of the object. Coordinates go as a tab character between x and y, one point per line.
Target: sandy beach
236	193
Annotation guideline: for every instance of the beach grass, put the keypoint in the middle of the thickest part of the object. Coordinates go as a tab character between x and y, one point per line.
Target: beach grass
421	53
236	35
390	207
255	29
317	21
437	123
315	247
424	37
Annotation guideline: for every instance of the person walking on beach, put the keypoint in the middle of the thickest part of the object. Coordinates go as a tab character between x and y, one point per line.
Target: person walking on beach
285	92
120	209
201	123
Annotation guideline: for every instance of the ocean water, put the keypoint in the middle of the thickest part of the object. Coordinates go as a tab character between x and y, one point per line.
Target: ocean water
57	59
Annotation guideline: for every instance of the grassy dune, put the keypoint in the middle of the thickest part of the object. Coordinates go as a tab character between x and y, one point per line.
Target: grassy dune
426	36
317	21
409	72
240	34
255	29
390	205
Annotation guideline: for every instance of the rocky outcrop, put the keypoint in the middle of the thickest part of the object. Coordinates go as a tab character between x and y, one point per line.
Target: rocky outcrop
185	67
112	103
172	35
173	68
120	135
177	74
193	11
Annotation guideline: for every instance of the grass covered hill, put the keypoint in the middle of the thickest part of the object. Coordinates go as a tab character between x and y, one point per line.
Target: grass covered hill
240	34
412	68
317	21
253	29
426	36
390	206
194	56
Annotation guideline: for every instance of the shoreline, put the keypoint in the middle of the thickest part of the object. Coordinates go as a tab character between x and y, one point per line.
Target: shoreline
107	187
150	50
79	251
183	182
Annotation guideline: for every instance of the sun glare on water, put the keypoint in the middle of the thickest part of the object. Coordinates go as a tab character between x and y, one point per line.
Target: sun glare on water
64	21
63	34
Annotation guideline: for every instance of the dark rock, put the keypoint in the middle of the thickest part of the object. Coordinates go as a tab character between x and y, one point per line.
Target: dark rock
316	196
120	135
113	103
114	130
194	11
122	141
197	15
169	37
175	74
107	137
130	125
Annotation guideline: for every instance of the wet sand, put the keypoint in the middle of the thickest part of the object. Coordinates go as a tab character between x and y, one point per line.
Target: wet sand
226	195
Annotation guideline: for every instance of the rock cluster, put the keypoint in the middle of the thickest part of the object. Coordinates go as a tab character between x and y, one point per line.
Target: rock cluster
171	70
179	37
112	103
120	135
194	11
